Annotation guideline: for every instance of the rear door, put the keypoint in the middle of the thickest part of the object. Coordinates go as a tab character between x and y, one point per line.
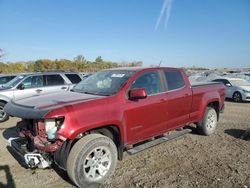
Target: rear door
54	83
179	99
32	86
146	117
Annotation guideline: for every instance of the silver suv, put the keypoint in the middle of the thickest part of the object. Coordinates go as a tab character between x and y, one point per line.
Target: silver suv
33	84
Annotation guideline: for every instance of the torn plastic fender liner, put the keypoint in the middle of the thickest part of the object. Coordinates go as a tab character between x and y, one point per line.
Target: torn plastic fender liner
23	111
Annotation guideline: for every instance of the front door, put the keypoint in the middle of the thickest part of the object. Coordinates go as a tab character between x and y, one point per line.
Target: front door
146	117
31	86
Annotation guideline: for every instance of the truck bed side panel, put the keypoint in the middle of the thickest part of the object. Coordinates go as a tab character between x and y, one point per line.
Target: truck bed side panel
202	96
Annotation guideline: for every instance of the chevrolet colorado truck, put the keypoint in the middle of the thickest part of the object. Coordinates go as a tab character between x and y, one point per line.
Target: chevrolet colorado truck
85	131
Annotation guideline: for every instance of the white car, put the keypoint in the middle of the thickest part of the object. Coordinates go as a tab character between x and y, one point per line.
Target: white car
237	89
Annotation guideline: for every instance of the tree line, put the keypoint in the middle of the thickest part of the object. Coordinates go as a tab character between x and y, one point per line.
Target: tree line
78	64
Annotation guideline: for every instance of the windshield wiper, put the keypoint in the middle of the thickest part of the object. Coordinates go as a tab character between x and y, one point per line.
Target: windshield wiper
86	92
90	93
93	93
3	86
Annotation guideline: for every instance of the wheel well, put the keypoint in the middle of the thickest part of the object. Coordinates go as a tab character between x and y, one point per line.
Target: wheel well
215	105
113	132
3	101
237	92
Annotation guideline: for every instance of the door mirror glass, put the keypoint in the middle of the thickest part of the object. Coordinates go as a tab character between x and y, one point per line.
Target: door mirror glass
20	87
137	93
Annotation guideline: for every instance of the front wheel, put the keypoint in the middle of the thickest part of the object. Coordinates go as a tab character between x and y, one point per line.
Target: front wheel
92	160
3	115
237	97
209	123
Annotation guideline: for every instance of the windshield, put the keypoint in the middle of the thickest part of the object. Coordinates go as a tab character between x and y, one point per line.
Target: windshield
106	82
240	83
13	82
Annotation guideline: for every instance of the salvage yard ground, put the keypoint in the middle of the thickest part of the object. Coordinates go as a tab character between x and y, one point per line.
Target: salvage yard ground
220	160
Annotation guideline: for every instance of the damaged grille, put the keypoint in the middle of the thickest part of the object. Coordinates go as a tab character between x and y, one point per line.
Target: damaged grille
35	127
31	129
33	132
31	126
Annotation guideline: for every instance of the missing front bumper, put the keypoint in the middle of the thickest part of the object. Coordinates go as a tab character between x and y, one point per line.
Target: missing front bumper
31	159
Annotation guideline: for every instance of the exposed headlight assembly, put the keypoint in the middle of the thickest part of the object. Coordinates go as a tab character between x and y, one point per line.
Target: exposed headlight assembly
51	127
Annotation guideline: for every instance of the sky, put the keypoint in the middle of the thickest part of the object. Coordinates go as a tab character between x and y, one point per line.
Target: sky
205	33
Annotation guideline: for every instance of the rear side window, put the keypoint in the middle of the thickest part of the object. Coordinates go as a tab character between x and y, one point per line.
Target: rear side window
74	78
54	79
174	79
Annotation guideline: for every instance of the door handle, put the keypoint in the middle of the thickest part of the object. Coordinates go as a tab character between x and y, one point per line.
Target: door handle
39	90
64	87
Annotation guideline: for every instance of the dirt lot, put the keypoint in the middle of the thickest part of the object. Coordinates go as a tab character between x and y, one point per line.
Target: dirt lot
220	160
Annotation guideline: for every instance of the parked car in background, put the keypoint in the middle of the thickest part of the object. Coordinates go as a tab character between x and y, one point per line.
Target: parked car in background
33	84
86	75
6	78
237	89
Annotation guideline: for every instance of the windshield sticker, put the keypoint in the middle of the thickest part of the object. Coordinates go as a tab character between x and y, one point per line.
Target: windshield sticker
103	84
117	75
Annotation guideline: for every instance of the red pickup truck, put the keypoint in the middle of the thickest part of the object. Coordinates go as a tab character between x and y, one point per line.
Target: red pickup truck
86	130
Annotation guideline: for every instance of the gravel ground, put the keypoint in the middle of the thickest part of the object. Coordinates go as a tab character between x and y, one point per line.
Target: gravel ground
220	160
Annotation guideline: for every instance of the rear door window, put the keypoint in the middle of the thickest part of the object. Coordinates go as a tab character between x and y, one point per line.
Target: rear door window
74	78
54	80
174	79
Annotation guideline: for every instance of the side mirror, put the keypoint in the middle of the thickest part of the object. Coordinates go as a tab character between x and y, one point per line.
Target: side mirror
137	93
20	86
228	85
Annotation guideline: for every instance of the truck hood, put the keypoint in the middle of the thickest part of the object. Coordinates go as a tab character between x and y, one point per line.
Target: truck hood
37	106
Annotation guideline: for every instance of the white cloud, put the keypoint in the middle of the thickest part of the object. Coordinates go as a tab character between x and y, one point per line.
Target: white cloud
165	11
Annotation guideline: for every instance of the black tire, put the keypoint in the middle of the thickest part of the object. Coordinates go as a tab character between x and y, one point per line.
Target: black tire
209	123
3	115
82	160
237	97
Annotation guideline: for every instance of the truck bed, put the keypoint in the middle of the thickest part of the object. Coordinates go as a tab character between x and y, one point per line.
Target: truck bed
198	84
203	93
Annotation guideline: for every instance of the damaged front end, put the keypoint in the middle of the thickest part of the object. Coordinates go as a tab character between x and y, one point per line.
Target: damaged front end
38	141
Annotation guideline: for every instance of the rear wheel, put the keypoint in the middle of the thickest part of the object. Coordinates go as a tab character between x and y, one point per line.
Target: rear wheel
208	125
237	97
92	160
3	115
